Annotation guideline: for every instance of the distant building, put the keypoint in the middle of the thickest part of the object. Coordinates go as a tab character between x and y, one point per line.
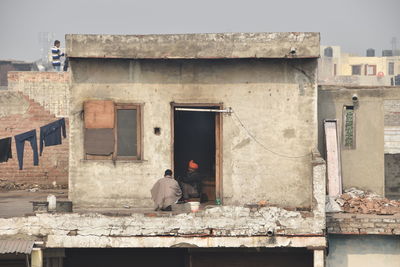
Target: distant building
337	68
12	65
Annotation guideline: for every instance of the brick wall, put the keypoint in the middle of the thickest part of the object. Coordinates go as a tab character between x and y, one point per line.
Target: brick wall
49	89
19	114
362	224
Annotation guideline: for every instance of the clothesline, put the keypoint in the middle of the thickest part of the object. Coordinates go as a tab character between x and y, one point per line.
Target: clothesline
50	135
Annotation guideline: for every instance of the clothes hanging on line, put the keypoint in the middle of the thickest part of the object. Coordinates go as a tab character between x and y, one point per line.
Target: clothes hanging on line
20	143
50	134
5	149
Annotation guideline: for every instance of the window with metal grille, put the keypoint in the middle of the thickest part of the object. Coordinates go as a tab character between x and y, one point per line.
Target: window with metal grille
348	127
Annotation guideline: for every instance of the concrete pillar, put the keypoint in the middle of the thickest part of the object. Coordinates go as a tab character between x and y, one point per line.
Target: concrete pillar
37	258
319	258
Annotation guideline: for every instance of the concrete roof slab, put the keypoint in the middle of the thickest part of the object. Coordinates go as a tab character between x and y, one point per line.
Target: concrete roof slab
195	46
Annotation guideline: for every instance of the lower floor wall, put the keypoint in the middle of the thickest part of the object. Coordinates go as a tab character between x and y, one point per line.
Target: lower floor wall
363	250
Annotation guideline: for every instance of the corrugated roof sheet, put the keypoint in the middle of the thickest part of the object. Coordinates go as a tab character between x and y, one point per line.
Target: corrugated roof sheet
16	246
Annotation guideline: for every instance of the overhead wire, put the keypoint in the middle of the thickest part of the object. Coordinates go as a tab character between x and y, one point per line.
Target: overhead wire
265	147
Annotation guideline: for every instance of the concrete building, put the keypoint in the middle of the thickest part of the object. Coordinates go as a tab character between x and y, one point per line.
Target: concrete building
12	65
256	146
368	141
336	67
370	163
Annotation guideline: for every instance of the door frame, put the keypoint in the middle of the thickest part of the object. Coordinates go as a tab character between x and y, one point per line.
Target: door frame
218	141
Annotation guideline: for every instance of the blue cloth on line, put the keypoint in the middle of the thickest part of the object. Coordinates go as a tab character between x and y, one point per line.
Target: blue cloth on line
5	149
50	134
20	143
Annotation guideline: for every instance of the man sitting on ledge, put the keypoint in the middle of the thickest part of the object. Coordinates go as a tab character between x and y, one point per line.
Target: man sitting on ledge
165	192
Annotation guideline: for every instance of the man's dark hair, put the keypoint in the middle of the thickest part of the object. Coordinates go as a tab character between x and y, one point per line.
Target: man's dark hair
168	172
56	42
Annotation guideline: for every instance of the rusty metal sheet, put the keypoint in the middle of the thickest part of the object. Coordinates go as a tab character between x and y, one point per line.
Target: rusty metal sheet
16	246
333	158
99	114
99	141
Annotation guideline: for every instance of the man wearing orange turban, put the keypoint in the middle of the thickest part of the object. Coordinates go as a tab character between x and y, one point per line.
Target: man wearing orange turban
191	182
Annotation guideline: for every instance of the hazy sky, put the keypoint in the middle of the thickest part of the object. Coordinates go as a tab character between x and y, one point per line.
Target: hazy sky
353	24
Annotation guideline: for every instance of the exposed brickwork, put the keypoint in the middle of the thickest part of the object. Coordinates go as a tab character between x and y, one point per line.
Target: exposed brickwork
362	224
50	89
53	164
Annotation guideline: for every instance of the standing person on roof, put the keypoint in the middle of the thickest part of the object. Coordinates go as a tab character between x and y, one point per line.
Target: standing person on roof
165	192
56	55
191	182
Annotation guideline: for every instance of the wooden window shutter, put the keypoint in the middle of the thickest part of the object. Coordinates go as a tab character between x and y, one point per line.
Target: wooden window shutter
99	114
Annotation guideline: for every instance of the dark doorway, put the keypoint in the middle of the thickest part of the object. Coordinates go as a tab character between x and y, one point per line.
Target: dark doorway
195	139
184	257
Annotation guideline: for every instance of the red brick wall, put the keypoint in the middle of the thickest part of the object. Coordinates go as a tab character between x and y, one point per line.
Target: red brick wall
53	164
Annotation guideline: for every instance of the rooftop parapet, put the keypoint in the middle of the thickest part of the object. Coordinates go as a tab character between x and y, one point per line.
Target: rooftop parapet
195	46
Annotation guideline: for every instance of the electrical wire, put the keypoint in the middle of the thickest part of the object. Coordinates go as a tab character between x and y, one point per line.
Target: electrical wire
263	146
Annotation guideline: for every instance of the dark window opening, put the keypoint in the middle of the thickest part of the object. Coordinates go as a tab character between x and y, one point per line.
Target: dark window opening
392	176
391	68
356	70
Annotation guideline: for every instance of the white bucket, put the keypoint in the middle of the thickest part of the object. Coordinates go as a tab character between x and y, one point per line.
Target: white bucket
194	206
51	199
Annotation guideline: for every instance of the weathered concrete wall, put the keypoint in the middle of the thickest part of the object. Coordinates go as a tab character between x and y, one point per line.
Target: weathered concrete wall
275	100
183	46
362	167
19	114
49	89
366	251
226	226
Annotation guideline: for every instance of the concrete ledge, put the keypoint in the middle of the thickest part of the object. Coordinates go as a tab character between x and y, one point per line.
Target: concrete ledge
190	46
166	242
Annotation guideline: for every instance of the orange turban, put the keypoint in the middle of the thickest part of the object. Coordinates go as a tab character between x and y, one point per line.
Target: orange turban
193	165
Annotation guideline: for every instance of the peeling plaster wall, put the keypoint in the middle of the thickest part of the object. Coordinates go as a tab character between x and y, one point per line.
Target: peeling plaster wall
226	226
49	89
275	100
11	103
